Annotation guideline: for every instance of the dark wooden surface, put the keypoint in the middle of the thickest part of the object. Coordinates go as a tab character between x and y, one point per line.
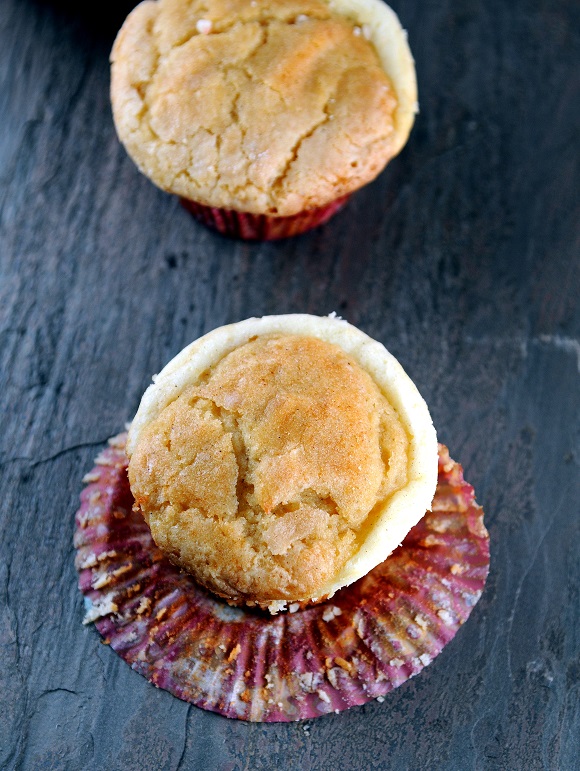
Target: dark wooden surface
462	258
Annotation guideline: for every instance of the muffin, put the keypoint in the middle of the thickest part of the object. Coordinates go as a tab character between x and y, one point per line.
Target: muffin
279	459
262	115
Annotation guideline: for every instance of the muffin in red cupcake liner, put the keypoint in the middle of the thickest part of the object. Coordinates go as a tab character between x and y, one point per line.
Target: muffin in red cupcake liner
261	227
369	638
266	106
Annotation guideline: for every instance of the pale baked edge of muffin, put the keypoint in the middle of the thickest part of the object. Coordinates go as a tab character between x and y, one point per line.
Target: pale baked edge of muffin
390	41
406	507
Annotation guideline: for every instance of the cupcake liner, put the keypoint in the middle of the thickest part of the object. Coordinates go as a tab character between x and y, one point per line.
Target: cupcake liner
261	227
368	639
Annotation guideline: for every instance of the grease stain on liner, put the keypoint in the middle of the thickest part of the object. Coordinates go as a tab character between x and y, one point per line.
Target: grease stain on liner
369	638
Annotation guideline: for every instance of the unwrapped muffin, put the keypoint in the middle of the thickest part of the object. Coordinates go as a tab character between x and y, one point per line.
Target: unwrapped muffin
263	115
282	458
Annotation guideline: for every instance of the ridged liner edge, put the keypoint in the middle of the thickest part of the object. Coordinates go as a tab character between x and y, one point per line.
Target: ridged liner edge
368	639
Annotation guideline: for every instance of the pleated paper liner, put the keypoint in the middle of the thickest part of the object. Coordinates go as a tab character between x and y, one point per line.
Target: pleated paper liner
261	227
368	639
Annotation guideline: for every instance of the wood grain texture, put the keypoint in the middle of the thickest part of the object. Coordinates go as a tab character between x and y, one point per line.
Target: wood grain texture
462	258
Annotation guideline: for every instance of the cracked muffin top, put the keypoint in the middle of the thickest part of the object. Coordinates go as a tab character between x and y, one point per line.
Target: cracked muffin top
264	469
262	106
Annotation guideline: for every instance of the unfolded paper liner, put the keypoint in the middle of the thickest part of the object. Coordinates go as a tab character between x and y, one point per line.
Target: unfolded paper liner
368	639
261	227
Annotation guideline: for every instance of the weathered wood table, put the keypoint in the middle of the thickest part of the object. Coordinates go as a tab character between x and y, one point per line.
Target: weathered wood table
462	258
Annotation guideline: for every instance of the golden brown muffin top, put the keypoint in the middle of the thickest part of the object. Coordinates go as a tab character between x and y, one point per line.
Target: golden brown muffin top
261	478
263	106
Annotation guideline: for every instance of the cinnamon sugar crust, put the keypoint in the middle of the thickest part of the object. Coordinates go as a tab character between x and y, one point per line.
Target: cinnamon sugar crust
262	106
259	479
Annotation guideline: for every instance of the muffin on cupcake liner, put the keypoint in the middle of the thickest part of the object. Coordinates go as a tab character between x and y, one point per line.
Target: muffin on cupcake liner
365	641
262	115
280	461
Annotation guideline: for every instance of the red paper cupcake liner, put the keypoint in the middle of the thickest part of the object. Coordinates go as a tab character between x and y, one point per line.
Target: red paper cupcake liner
368	639
261	227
